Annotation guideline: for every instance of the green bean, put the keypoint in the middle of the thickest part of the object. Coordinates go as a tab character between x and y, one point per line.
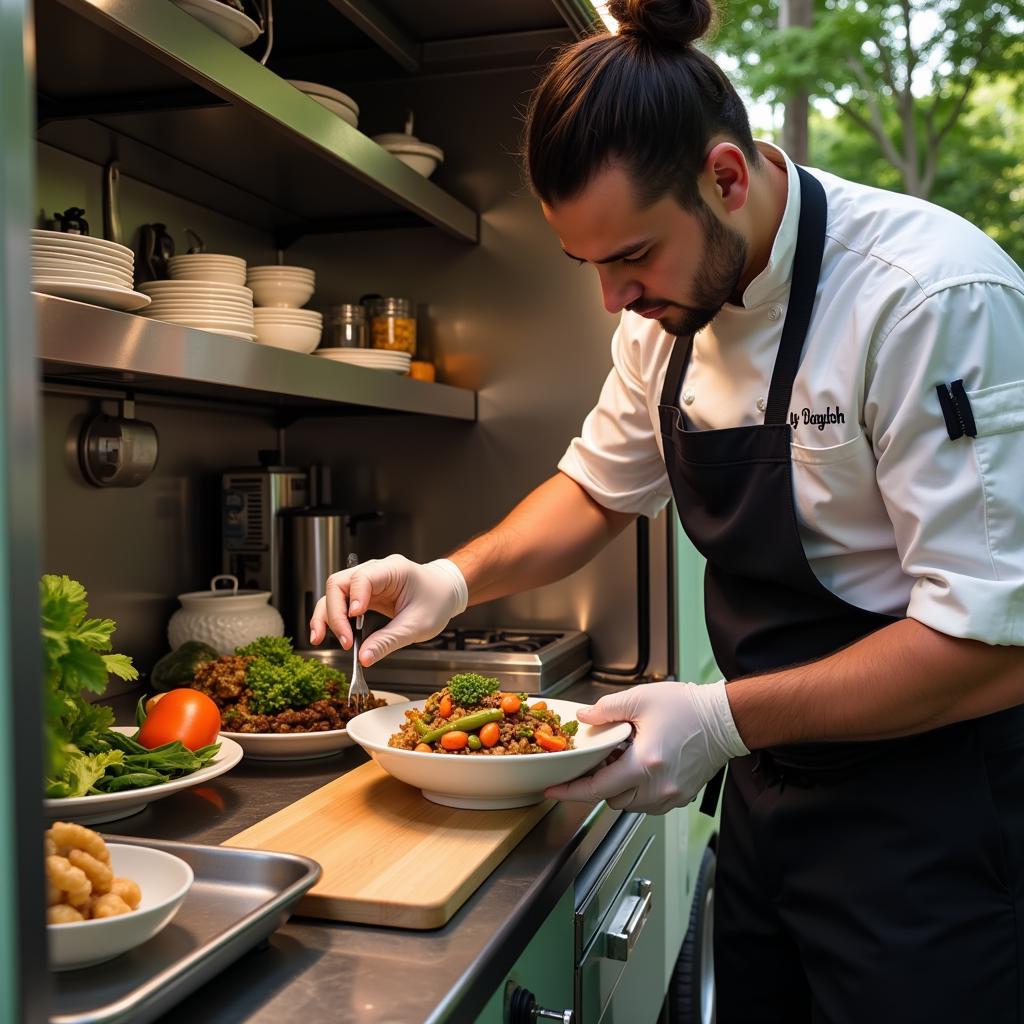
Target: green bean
466	724
525	734
420	726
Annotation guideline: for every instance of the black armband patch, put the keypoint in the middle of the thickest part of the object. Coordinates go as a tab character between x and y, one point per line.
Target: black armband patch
956	410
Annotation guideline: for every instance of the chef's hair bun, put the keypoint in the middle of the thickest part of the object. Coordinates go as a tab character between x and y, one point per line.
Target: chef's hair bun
664	23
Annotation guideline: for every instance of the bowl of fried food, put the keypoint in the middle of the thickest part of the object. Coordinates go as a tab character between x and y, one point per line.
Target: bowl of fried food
104	899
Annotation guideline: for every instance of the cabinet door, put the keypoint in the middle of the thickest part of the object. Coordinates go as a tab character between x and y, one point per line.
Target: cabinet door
545	966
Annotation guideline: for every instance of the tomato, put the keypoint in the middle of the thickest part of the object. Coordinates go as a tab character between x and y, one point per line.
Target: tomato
184	714
510	704
152	703
490	734
444	708
551	743
454	740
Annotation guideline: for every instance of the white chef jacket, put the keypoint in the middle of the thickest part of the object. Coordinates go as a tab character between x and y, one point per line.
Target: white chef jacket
894	516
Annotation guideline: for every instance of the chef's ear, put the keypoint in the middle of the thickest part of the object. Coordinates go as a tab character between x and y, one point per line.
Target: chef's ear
726	170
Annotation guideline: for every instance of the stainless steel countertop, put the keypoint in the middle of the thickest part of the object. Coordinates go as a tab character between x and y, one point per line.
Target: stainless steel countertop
314	971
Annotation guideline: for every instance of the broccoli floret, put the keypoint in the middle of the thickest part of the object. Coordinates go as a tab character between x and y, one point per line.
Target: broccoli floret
278	678
276	649
469	688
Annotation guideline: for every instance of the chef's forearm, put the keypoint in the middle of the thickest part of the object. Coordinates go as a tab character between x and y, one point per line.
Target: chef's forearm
903	679
551	533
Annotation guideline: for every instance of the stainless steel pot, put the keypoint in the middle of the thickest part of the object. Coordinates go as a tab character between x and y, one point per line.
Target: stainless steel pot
317	542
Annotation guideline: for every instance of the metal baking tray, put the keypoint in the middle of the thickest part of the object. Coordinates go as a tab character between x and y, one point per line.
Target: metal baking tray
238	898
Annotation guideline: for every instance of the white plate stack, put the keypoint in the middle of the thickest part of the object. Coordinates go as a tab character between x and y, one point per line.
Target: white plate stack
337	102
422	157
372	358
206	305
86	269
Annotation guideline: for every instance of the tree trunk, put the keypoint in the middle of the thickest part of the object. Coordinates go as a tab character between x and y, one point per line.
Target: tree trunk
794	14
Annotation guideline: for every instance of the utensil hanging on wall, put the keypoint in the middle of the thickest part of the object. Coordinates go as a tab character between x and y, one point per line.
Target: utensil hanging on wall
112	201
156	247
118	451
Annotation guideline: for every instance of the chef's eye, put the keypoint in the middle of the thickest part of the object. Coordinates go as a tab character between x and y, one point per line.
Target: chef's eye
633	260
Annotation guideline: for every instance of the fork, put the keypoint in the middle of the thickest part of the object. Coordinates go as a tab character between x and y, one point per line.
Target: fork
358	691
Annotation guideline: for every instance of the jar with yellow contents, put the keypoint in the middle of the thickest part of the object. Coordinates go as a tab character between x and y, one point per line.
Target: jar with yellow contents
392	324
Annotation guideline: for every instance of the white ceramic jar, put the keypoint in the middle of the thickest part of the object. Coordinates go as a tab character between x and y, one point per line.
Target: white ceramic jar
224	619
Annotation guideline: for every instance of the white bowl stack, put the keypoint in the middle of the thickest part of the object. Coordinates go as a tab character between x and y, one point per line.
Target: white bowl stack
337	102
373	358
207	266
279	293
84	268
422	157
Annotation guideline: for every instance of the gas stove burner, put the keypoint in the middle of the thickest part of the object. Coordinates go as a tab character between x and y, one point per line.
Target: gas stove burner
499	640
523	660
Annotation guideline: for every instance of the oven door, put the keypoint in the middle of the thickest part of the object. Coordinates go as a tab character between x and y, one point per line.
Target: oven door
620	928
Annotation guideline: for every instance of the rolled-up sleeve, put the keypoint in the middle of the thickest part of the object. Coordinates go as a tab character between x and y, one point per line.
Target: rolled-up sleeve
957	506
616	457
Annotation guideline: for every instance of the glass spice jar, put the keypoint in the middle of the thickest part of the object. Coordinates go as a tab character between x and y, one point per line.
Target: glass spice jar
392	324
345	327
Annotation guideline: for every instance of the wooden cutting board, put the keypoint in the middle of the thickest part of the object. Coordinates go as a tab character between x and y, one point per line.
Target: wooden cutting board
389	855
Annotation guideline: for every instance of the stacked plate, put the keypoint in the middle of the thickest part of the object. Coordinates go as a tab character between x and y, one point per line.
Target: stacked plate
83	268
337	102
297	330
283	287
207	266
208	306
372	358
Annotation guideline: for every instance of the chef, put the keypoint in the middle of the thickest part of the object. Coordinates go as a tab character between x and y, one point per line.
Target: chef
829	381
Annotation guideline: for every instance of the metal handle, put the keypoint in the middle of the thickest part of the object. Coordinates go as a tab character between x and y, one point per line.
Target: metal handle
564	1016
629	922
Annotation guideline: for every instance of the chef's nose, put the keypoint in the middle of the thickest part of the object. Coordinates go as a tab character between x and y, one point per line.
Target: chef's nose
617	289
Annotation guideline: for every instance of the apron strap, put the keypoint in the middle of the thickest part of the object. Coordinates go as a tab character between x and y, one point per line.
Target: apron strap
810	244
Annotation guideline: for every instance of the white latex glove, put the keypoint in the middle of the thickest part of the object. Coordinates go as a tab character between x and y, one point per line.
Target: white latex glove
682	734
419	600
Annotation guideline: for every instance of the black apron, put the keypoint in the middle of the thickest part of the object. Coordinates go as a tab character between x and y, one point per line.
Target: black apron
766	610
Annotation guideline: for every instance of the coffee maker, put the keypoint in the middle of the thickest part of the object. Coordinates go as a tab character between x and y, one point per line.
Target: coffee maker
251	528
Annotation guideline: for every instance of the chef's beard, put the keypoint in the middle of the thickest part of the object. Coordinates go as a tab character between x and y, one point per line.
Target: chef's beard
724	257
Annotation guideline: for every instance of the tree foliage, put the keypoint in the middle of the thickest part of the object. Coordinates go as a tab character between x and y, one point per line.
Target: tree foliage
904	73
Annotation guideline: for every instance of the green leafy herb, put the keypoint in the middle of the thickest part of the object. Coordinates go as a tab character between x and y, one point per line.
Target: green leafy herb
278	678
469	688
75	662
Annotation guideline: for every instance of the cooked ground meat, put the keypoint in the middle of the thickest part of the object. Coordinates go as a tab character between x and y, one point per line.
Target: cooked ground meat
512	728
223	680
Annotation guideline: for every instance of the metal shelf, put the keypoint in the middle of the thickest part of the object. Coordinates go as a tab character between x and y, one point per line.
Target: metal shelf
184	110
86	345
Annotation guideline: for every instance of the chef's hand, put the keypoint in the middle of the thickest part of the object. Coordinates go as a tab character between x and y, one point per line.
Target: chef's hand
682	734
419	600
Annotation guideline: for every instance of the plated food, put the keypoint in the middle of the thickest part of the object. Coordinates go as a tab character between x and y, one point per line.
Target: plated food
472	716
88	759
458	780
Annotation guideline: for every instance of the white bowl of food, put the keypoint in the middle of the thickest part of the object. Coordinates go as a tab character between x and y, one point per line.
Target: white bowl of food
490	776
162	882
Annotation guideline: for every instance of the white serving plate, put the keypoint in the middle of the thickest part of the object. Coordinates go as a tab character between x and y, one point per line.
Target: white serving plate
123	299
237	28
298	746
208	323
196	290
164	880
485	783
97	807
69	272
